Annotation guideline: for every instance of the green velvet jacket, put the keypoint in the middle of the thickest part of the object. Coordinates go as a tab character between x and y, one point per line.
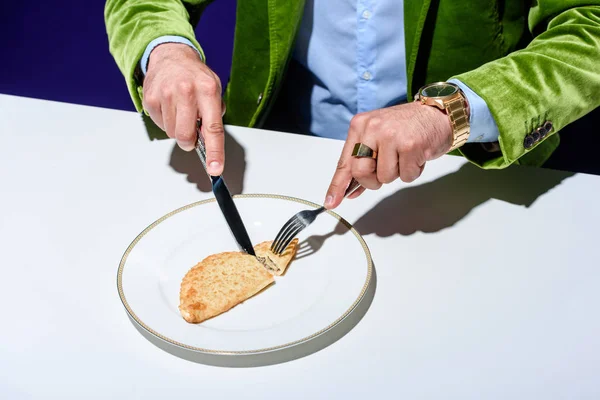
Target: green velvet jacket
532	61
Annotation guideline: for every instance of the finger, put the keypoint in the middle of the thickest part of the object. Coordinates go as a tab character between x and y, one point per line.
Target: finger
364	169
156	116
223	108
154	109
213	133
168	116
409	167
185	126
343	173
387	163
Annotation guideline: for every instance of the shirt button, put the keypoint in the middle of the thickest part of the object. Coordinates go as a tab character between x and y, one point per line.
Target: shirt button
366	14
367	76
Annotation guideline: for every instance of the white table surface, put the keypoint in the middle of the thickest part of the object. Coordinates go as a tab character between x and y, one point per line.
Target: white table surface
488	282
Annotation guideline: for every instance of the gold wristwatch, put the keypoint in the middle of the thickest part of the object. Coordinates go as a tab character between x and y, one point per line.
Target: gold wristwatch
449	98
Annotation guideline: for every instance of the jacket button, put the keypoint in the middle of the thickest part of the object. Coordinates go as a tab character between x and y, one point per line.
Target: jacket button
548	126
528	142
542	132
535	135
260	96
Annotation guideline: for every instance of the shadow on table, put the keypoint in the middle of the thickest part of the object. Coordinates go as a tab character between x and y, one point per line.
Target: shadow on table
439	204
188	162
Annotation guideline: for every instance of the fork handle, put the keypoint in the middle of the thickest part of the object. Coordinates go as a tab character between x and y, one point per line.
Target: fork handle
352	187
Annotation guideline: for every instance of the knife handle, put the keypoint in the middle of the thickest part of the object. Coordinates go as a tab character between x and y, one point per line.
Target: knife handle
201	150
352	187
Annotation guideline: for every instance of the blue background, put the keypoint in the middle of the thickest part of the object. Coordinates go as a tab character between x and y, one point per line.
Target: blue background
58	50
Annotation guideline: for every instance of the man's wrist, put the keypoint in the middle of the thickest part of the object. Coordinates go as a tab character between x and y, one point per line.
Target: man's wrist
171	51
483	127
144	61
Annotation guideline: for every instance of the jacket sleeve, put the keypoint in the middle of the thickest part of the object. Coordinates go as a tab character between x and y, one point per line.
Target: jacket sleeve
555	79
132	24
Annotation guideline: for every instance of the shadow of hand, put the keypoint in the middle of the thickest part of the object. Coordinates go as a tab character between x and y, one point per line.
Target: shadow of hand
188	162
439	204
235	166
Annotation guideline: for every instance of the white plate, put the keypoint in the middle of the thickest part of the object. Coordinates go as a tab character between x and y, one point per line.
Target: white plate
322	286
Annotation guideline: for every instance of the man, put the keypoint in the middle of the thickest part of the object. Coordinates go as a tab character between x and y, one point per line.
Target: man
512	72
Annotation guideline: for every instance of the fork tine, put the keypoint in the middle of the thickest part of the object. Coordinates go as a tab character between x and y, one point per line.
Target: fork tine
291	235
284	230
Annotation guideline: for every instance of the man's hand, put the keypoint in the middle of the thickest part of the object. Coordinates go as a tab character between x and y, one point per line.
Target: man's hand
404	136
178	90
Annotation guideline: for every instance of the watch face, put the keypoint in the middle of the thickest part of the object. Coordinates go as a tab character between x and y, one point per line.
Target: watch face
439	90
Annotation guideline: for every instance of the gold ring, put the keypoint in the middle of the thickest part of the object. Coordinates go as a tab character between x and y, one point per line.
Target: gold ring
362	150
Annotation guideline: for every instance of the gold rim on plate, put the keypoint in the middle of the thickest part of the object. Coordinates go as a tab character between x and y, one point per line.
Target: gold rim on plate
242	352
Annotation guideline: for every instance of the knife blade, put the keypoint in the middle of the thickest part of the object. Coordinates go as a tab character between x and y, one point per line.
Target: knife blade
225	201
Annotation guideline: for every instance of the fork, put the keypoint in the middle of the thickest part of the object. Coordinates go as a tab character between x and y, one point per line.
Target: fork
300	221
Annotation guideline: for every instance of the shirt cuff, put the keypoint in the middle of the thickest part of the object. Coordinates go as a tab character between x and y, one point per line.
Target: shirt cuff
482	123
161	40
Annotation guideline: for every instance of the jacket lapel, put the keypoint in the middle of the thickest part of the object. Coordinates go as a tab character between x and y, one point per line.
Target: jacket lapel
284	21
264	36
415	15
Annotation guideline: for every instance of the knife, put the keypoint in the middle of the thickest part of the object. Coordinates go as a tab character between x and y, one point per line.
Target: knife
225	201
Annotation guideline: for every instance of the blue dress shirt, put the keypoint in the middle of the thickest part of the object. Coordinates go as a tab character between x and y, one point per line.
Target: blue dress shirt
354	50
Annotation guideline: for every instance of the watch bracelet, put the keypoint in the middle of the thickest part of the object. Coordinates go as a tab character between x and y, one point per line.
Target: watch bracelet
457	113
